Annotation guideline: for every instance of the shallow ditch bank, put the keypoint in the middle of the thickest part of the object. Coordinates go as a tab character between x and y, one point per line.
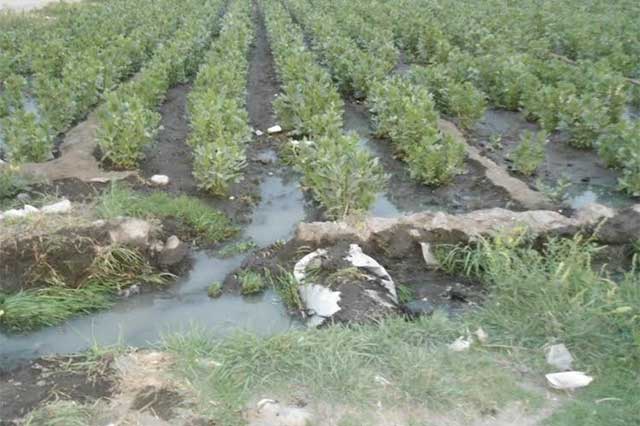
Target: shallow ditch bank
68	254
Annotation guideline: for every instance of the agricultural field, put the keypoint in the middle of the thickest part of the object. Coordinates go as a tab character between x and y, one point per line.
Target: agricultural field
320	212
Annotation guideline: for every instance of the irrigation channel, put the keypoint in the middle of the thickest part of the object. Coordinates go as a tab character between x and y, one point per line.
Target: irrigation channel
141	320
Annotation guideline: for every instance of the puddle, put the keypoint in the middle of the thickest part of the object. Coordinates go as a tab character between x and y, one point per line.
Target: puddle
281	208
141	320
581	195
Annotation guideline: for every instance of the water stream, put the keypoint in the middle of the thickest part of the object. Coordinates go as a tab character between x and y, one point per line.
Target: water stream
142	320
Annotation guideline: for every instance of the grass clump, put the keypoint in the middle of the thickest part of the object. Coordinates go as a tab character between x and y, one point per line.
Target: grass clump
215	290
530	152
286	285
53	301
406	293
210	225
251	282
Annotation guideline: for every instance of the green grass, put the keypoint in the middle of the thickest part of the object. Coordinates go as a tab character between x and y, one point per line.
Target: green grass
286	286
536	297
556	296
339	364
406	293
209	224
53	302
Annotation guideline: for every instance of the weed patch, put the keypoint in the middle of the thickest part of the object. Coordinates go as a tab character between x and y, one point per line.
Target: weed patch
208	224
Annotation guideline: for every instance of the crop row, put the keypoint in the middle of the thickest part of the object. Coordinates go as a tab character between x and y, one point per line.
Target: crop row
458	99
219	120
128	119
404	111
513	54
69	65
342	176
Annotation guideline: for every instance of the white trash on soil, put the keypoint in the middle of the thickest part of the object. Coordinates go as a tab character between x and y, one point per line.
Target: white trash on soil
559	357
461	344
259	133
428	256
274	129
481	336
60	207
269	412
360	260
568	380
322	303
159	180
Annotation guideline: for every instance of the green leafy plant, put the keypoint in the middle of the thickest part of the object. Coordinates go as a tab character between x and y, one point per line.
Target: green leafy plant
529	154
26	138
406	114
251	282
126	128
584	117
11	98
237	248
12	182
555	192
218	167
214	290
618	143
343	178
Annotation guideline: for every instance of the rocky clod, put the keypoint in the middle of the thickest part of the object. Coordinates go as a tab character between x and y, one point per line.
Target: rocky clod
131	232
402	235
173	252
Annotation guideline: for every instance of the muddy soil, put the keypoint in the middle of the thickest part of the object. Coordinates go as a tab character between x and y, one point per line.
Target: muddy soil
30	384
69	253
590	180
468	191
